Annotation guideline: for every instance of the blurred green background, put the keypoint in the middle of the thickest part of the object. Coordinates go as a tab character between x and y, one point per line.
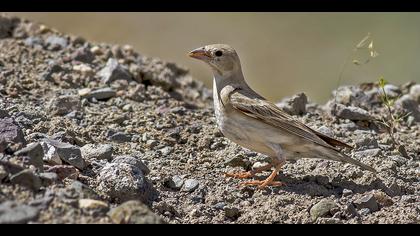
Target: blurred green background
281	53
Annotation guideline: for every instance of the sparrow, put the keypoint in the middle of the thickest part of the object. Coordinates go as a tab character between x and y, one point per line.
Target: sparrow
253	122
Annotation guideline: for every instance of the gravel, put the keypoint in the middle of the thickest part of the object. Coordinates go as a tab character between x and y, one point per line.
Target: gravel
167	153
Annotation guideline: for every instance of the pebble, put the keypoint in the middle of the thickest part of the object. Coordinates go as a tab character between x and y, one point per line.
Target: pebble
231	212
352	113
92	204
367	143
120	137
364	211
415	92
97	151
134	212
122	182
83	55
238	161
67	153
409	105
35	153
96	50
351	210
322	209
12	212
175	182
84	70
48	178
56	43
3	173
114	71
367	201
165	151
190	185
33	41
347	192
101	94
64	171
50	154
10	133
26	178
392	91
65	104
151	143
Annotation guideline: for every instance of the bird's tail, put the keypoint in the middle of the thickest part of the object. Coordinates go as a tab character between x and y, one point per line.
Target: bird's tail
341	157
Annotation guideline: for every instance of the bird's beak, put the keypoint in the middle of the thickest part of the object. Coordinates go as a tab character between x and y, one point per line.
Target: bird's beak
199	53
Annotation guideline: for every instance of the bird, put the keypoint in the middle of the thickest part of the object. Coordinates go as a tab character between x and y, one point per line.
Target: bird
255	123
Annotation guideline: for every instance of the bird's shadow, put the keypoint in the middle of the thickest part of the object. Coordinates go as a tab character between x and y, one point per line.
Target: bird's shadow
321	185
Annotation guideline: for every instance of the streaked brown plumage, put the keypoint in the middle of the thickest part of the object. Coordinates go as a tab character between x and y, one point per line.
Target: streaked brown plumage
253	122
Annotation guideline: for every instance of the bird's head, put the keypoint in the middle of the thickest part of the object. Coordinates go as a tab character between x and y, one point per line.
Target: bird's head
222	58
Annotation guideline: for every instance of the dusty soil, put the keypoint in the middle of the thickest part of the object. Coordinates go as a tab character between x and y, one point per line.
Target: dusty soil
101	124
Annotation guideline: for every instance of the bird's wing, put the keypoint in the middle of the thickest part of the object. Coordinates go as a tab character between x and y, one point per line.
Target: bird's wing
268	112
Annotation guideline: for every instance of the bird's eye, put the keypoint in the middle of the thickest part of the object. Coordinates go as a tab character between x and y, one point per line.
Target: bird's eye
218	53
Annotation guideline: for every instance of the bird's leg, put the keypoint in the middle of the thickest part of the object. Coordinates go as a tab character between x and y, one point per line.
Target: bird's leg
267	182
249	174
278	162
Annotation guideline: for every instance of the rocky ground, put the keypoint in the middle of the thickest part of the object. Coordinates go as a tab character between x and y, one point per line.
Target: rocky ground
98	133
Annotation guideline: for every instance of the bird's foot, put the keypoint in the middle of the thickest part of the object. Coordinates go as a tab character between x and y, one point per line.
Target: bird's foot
261	184
240	175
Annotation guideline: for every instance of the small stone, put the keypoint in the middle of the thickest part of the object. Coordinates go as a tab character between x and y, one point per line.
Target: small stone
367	201
165	151
351	210
92	204
232	212
6	27
352	113
15	213
10	133
97	151
383	199
134	212
219	205
114	71
68	153
238	161
48	178
26	178
102	94
415	92
394	189
326	130
84	92
190	185
295	105
35	153
120	137
322	209
50	154
409	105
127	108
78	190
3	173
4	114
123	182
367	143
33	41
83	55
347	192
151	143
96	50
63	171
84	70
175	182
392	91
56	43
364	211
65	104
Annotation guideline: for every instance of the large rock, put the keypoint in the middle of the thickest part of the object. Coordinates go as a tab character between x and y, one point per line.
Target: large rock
10	133
134	212
15	213
409	105
114	71
66	152
123	181
415	92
